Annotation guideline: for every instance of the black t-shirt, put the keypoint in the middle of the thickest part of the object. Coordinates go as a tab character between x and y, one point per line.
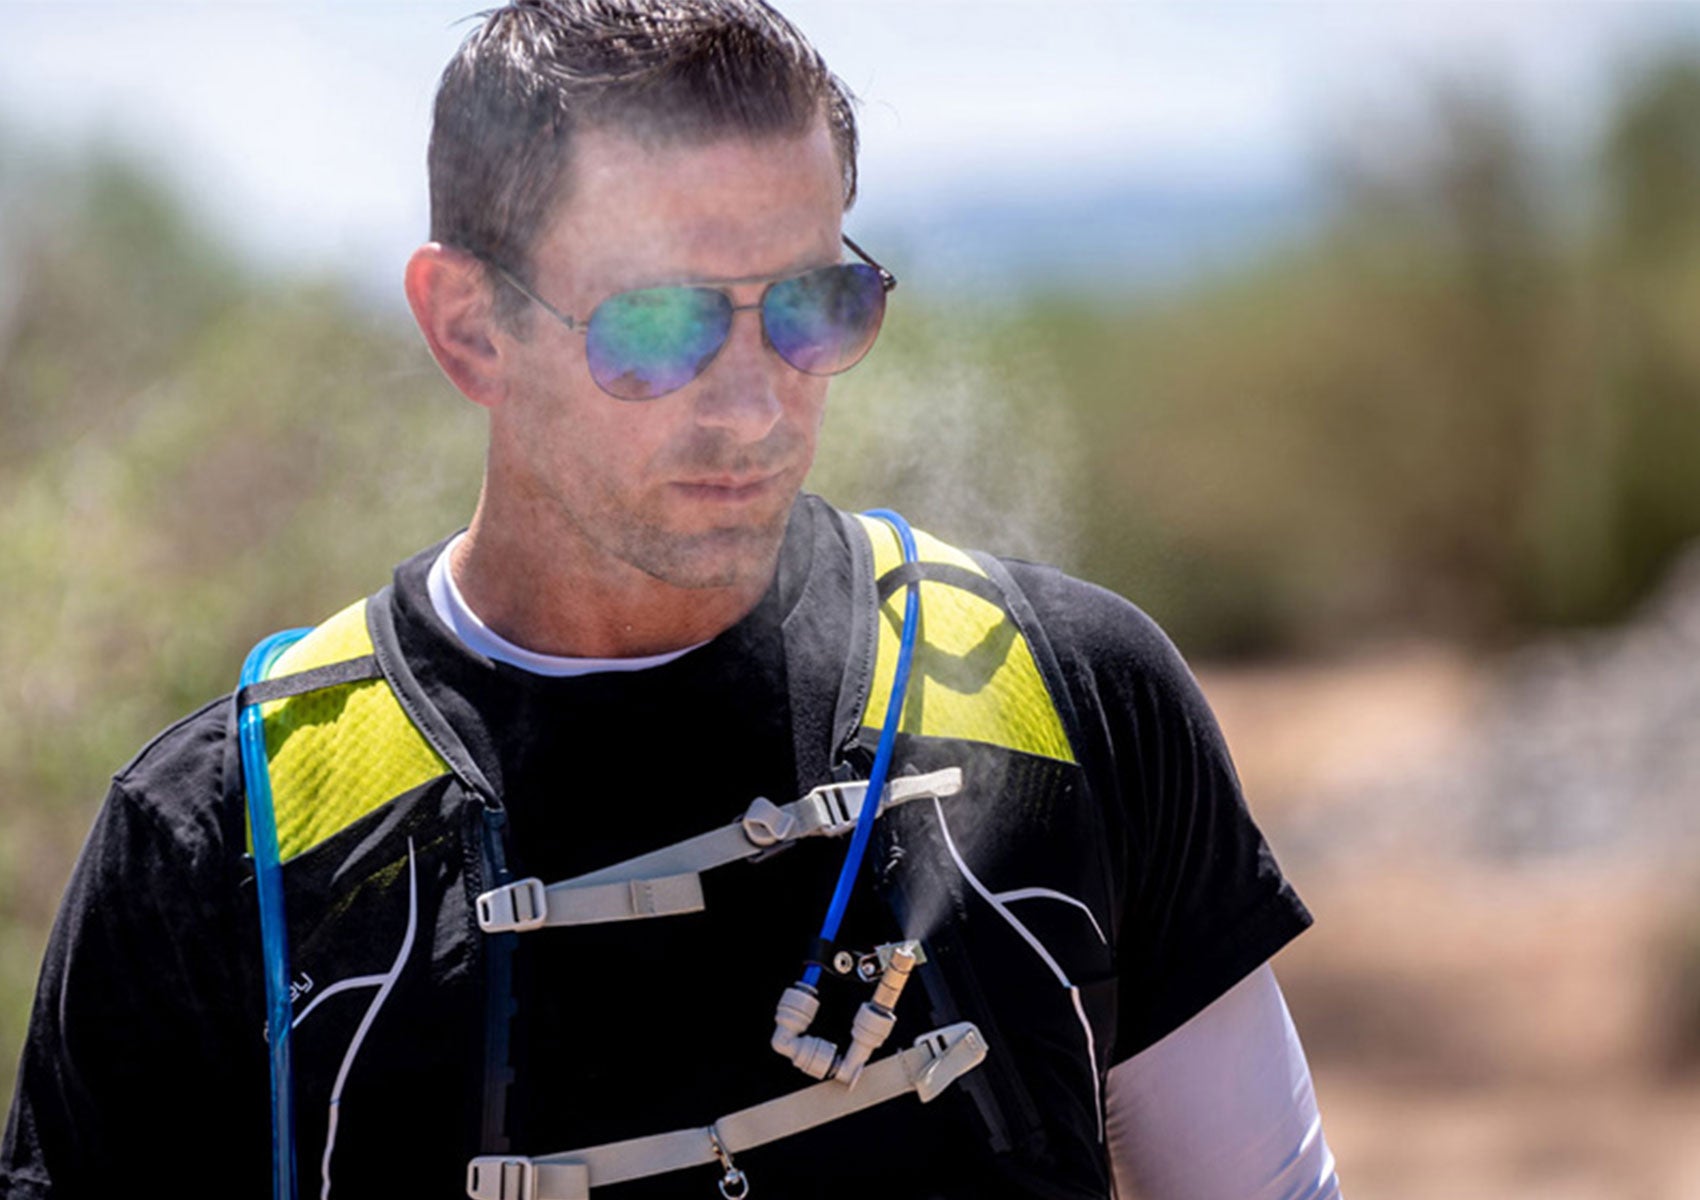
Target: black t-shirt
143	1045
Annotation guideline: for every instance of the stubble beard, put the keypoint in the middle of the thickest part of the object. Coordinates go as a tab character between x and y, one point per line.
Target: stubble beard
662	538
742	555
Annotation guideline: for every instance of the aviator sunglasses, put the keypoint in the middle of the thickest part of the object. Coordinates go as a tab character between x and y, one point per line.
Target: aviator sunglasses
645	343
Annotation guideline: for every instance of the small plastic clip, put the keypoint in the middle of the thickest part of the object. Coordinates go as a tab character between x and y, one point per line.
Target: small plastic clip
766	824
514	908
496	1177
871	965
958	1048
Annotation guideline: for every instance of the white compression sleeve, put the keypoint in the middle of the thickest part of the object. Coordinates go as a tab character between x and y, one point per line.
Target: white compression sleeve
1222	1108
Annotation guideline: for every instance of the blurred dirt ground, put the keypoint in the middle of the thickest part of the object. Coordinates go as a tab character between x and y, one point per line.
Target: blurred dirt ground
1500	998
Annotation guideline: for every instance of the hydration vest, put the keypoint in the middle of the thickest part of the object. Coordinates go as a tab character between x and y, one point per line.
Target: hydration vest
402	914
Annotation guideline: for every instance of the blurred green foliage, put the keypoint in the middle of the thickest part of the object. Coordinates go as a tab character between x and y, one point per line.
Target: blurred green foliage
192	457
1466	407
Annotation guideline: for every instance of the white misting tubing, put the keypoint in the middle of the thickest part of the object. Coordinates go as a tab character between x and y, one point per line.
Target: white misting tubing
1039	949
366	1022
342	985
1039	893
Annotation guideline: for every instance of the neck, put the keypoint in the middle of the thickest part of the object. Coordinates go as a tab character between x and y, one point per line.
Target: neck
550	591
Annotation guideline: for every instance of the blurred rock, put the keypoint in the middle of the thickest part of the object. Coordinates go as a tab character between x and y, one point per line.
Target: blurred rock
1582	743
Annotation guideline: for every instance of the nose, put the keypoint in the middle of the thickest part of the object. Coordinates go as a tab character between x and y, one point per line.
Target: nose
742	390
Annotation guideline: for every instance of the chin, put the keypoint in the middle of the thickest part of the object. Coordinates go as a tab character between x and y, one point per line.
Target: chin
720	558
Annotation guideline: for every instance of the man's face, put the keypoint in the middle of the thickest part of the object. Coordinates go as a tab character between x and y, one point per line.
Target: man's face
692	488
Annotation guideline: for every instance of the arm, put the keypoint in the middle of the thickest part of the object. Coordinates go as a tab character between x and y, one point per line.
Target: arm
140	1046
1208	1093
1222	1107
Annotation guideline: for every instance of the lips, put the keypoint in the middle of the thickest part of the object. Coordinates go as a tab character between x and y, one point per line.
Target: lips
730	489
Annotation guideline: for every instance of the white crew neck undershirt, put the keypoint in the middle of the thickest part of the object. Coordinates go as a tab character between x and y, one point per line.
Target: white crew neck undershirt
478	637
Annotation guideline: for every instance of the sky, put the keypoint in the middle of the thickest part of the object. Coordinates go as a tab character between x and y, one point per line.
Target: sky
298	129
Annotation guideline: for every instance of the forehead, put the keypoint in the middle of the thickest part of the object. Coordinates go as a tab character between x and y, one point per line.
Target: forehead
636	211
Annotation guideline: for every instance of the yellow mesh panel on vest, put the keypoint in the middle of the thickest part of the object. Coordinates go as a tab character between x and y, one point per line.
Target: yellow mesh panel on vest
973	675
340	752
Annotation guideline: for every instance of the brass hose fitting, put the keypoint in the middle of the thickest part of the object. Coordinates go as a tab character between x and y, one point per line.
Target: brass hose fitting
875	1019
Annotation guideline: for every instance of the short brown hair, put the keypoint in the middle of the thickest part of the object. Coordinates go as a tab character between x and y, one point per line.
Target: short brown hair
536	71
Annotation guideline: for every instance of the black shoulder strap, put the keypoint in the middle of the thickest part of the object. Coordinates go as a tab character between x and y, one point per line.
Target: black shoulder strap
386	648
486	834
816	630
858	677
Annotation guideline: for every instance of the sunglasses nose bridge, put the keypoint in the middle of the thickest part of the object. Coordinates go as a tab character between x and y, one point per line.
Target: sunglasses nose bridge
732	311
732	317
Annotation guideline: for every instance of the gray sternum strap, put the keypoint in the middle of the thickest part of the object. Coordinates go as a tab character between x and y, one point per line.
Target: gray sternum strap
666	881
933	1063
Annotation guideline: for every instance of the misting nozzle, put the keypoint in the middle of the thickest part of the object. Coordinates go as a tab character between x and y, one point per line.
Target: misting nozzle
896	974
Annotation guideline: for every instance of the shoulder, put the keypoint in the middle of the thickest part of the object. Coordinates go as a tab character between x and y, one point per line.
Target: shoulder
1114	658
1139	701
1106	637
176	785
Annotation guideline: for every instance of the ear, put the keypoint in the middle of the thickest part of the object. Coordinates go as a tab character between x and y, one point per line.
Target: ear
450	297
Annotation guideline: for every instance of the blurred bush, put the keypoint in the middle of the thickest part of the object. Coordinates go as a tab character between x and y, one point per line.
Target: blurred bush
1469	407
191	458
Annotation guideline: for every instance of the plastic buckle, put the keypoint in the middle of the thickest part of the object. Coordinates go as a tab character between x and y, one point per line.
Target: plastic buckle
513	908
957	1050
840	806
497	1177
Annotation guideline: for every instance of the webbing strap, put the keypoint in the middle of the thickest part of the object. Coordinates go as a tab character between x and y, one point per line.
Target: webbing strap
920	571
932	1064
526	904
666	882
350	670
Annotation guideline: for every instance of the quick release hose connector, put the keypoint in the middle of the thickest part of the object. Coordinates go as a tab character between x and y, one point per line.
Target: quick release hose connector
872	1025
876	1018
813	1056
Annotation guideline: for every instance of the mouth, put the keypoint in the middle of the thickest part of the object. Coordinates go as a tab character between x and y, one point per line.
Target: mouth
730	489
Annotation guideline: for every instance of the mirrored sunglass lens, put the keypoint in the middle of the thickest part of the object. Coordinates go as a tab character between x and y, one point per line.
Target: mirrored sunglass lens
823	322
647	343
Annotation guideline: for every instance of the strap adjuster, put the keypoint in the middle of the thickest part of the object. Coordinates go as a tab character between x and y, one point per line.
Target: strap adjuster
766	824
500	1177
513	908
835	808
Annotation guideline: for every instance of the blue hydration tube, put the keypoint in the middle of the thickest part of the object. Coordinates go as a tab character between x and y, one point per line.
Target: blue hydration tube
882	755
268	885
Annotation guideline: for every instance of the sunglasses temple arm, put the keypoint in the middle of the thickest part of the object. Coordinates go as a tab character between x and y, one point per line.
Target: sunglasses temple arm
571	323
887	280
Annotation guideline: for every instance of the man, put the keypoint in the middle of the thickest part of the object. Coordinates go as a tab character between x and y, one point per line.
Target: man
638	269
